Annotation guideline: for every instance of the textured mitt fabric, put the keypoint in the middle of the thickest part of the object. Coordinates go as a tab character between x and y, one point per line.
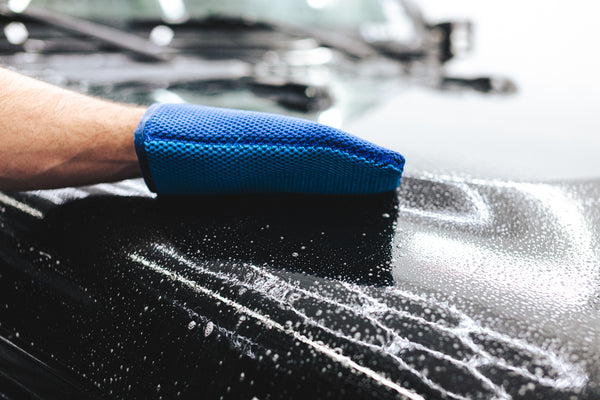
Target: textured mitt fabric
188	149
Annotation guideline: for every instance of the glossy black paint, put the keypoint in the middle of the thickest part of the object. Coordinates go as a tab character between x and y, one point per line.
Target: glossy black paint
266	296
71	296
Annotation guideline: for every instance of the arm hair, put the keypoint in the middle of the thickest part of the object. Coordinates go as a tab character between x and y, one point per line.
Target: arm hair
51	137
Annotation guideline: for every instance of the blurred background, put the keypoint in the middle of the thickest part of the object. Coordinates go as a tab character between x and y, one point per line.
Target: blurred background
468	89
549	131
538	43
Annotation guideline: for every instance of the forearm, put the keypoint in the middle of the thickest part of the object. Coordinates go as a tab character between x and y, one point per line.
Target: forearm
51	137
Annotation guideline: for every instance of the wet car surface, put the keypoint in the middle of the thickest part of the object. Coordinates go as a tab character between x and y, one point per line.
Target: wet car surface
455	286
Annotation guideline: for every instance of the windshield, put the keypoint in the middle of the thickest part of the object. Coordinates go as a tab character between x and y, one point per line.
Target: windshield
381	20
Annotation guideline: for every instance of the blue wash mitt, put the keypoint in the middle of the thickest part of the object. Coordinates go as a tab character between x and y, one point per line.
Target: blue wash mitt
187	149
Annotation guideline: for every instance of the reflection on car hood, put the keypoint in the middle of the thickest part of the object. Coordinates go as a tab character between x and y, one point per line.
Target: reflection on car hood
530	136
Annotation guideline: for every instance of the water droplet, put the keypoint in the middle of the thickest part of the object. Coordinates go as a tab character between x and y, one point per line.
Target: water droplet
294	254
209	328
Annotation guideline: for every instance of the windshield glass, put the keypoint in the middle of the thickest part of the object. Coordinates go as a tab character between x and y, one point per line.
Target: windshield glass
380	20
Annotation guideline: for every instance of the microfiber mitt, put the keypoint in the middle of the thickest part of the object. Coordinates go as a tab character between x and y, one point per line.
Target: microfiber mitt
187	149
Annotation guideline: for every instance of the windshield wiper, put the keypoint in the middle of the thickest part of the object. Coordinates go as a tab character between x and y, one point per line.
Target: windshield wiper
109	35
352	46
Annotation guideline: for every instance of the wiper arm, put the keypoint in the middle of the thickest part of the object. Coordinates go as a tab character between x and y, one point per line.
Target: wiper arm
351	46
113	36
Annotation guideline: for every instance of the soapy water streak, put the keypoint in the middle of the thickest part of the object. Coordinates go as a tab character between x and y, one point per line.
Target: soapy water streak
320	347
481	215
570	377
241	343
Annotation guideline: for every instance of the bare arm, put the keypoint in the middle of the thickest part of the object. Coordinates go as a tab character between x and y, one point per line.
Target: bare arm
51	137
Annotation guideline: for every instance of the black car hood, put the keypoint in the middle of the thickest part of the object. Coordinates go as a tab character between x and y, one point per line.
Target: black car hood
443	289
